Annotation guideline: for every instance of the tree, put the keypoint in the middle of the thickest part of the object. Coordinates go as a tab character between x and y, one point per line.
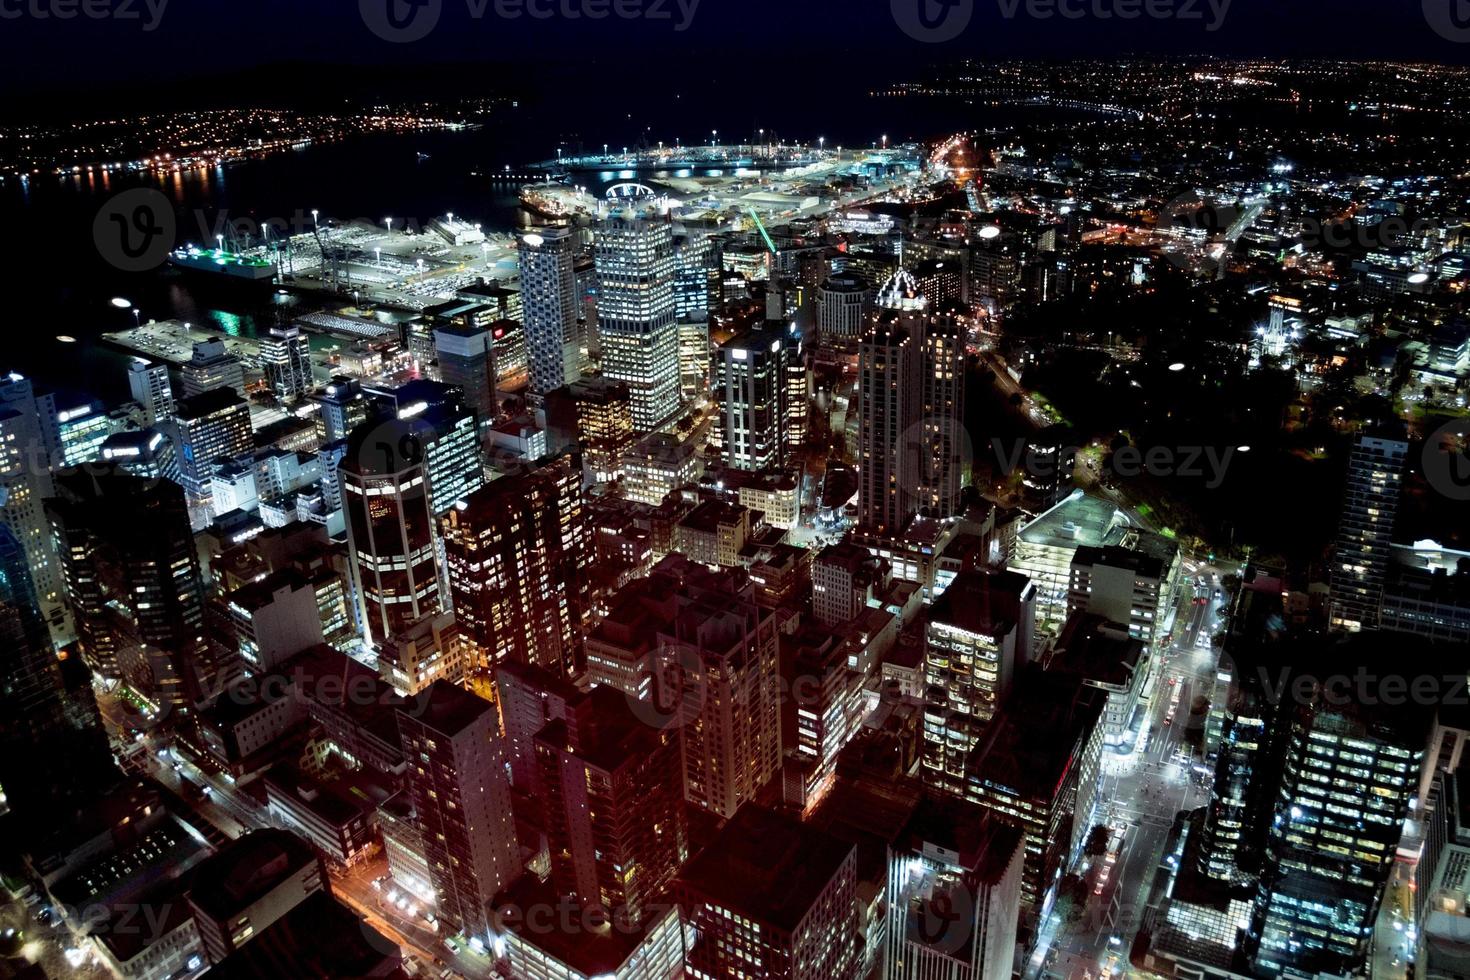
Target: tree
1096	844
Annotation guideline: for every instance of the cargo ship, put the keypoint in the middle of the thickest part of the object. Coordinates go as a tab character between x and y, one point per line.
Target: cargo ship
233	265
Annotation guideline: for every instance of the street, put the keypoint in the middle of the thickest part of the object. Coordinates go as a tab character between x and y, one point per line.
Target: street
1141	792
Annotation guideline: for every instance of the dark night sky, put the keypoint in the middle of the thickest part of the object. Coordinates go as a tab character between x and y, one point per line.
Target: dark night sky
742	49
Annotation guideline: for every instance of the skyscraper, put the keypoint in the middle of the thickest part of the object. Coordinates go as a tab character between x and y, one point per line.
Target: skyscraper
613	792
457	781
1329	853
466	361
750	386
719	678
798	393
595	415
25	481
943	448
772	899
212	366
549	307
1365	530
890	374
634	252
343	407
911	366
389	528
34	721
954	894
213	425
515	551
979	633
132	576
149	385
285	356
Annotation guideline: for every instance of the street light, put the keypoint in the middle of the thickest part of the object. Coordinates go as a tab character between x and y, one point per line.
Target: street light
390	225
313	217
137	320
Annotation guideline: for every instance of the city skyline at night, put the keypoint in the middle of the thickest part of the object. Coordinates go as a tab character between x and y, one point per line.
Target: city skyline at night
654	489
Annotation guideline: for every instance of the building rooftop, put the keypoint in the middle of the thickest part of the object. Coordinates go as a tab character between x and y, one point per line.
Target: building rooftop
207	403
1093	648
1115	556
320	939
1029	745
984	845
261	592
983	602
247	869
1078	520
711	515
446	708
591	949
766	866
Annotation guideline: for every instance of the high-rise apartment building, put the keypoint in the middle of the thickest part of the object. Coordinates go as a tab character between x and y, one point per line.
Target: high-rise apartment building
1365	530
549	307
843	304
944	450
457	781
1036	767
515	551
39	717
596	415
637	332
798	393
911	439
466	360
890	376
